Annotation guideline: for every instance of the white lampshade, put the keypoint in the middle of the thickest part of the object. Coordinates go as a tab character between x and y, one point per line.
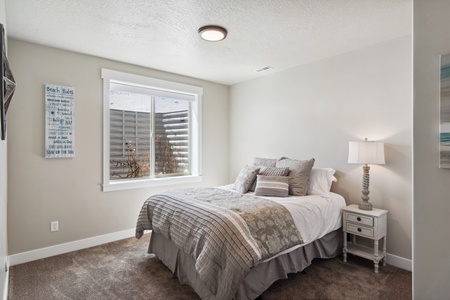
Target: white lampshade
366	152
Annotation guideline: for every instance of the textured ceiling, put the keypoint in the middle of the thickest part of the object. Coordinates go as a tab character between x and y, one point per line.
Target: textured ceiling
162	34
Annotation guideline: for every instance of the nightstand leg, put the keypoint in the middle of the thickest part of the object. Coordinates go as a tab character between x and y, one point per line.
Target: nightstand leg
375	257
384	251
344	251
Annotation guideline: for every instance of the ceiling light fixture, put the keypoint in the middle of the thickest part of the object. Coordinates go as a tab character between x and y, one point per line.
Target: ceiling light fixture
212	33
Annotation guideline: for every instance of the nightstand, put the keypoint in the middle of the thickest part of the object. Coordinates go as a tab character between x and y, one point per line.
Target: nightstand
369	224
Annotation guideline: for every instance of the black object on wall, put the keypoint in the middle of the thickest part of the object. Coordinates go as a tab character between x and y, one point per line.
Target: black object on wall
7	84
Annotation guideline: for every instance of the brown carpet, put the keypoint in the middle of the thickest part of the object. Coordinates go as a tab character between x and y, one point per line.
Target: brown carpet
124	270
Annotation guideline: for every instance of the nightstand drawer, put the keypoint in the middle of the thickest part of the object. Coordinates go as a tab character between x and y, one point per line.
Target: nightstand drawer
359	230
359	219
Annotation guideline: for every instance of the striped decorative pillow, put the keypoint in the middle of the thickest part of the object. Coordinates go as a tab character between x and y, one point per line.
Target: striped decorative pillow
272	186
270	171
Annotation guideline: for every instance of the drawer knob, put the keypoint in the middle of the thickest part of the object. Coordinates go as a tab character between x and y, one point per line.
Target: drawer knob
359	230
359	219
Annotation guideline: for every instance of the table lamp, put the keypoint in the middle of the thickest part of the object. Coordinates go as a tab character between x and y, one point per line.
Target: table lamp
366	152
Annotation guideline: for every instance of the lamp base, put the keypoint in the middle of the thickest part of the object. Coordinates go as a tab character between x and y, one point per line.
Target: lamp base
365	205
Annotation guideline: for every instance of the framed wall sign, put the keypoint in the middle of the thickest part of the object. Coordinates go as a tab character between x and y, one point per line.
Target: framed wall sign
7	84
444	103
59	121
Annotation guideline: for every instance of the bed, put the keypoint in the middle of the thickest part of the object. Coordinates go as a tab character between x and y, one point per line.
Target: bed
234	241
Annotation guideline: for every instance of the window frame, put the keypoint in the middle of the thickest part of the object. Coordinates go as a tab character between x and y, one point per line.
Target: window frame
195	142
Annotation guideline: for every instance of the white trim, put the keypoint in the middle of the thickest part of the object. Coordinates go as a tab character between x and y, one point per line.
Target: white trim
143	183
24	257
28	256
150	82
6	283
399	262
195	151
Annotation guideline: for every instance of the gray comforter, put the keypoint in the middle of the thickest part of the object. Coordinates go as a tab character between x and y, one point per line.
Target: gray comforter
225	232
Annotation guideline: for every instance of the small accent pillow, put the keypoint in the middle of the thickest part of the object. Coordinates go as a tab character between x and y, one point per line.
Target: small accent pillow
272	186
264	162
245	178
299	174
270	171
320	181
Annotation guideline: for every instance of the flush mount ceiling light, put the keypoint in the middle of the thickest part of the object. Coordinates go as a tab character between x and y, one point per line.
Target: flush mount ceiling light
212	33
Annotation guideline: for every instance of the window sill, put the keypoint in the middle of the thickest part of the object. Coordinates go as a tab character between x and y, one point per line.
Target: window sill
119	185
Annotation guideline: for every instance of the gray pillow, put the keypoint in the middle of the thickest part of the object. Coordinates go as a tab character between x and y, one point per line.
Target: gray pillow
266	162
299	174
245	178
270	171
272	186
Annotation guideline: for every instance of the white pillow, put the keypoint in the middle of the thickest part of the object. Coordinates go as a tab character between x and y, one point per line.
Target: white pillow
320	181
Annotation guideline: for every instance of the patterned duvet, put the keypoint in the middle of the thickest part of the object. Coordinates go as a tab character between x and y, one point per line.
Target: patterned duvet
225	232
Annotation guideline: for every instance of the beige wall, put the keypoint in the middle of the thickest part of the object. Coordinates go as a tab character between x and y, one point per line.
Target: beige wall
314	110
308	111
68	190
431	184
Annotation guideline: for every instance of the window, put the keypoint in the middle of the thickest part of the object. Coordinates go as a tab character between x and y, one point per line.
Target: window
151	132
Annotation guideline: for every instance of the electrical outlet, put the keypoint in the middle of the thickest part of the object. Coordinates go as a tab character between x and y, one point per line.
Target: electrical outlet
54	226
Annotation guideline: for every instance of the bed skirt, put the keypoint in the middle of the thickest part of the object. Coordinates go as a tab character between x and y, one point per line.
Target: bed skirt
260	278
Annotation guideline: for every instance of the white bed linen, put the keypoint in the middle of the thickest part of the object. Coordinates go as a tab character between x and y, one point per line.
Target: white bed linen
314	215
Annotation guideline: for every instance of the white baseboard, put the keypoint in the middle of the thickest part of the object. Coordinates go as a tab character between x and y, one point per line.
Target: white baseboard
24	257
399	262
5	291
6	283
